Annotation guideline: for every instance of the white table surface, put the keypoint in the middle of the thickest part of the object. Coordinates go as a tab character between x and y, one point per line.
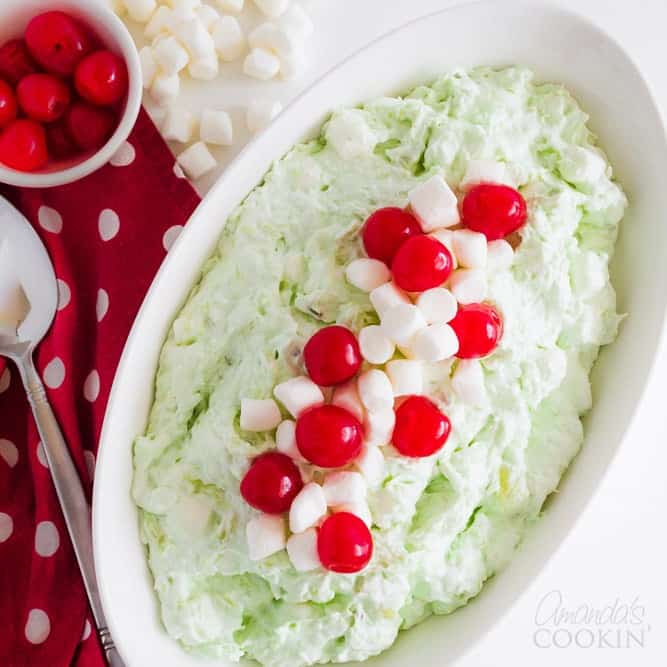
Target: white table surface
618	550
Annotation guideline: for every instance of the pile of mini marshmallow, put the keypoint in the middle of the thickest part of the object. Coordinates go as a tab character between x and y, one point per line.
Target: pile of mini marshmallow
189	36
417	326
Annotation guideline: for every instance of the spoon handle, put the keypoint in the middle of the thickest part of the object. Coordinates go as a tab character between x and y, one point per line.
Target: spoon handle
71	496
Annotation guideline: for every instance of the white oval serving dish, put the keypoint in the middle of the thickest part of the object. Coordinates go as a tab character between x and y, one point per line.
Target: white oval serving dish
560	47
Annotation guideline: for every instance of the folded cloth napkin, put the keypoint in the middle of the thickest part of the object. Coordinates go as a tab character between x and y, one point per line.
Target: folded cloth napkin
106	235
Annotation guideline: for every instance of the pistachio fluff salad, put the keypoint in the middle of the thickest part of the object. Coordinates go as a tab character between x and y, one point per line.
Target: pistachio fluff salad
422	517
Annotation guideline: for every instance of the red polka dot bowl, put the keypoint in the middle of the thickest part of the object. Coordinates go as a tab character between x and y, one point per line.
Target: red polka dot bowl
112	33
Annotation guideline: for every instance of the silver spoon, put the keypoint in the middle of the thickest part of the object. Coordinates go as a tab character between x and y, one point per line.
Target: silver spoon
36	276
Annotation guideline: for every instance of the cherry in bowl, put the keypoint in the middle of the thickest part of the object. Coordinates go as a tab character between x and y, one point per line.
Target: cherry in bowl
344	543
271	483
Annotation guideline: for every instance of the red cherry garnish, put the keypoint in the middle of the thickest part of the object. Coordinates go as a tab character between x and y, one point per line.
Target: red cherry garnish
344	543
15	61
89	126
23	145
421	262
479	328
60	143
271	483
494	210
332	356
386	230
43	97
421	429
101	78
8	104
329	436
57	42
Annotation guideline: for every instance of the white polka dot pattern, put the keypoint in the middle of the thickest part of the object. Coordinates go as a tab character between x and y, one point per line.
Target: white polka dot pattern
91	387
50	220
38	626
109	224
102	305
6	527
124	156
170	236
54	373
64	294
86	631
47	539
41	454
8	452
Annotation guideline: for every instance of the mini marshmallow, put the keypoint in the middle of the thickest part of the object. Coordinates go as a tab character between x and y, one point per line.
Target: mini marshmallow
468	381
261	64
228	38
272	8
302	550
195	38
259	414
446	237
500	255
178	125
196	160
400	323
215	127
349	133
375	390
386	297
344	487
468	285
379	427
375	347
286	440
434	204
170	56
164	88
296	22
140	10
148	66
367	274
265	536
233	6
307	508
298	394
207	15
272	38
205	68
160	22
185	6
371	465
437	305
360	509
435	343
346	396
406	376
484	171
260	113
470	248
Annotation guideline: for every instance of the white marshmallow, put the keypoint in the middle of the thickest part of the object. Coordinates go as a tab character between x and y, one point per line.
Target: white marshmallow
375	347
468	381
379	427
371	465
367	274
208	16
375	390
286	440
160	22
406	376
470	248
148	66
296	22
437	305
359	509
298	394
344	487
228	38
307	508
302	550
178	125
446	237
170	56
185	6
265	536
14	305
400	323
205	68
468	285
140	10
155	111
500	255
272	8
261	64
349	134
233	6
215	127
260	113
484	171
195	38
435	343
196	160
118	7
291	66
272	38
164	88
259	414
434	204
346	396
386	297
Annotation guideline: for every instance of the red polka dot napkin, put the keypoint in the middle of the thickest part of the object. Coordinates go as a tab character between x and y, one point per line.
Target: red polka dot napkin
106	235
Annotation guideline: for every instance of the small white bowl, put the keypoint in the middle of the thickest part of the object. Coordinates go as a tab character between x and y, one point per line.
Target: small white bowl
14	17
